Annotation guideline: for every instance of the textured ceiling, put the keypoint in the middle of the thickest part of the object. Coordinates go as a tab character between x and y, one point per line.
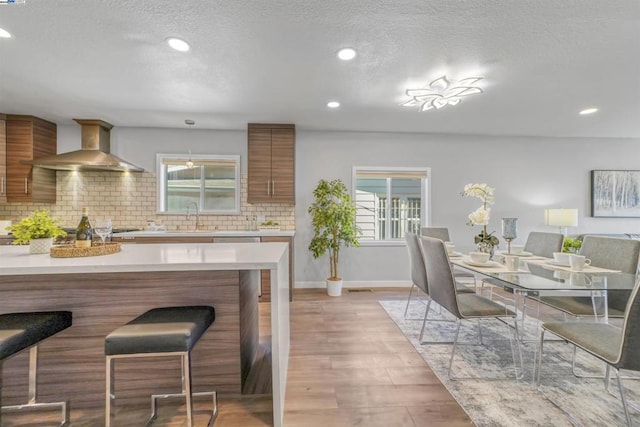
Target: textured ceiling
275	61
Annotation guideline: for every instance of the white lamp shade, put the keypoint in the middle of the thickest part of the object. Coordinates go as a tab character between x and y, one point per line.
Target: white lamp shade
561	217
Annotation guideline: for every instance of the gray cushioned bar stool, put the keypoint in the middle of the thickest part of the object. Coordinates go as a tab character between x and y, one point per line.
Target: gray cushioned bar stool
20	331
165	332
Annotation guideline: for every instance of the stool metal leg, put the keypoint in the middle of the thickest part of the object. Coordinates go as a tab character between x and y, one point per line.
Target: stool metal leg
108	391
33	392
186	373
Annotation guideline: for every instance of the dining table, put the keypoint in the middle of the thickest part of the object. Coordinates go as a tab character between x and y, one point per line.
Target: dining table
538	276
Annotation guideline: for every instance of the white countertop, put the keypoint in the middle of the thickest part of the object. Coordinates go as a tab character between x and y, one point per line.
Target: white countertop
212	233
16	260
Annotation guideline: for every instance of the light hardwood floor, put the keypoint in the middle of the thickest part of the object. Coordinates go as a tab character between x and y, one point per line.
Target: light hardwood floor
349	366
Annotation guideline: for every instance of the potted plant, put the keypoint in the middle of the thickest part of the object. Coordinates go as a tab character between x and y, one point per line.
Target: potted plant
38	230
571	245
333	216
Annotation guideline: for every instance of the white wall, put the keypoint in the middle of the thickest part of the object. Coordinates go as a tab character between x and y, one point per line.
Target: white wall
529	174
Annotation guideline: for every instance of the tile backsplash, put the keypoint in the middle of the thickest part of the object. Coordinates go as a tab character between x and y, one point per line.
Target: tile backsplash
130	201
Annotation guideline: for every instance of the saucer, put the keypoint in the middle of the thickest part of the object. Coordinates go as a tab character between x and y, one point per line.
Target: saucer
503	253
556	263
482	264
455	255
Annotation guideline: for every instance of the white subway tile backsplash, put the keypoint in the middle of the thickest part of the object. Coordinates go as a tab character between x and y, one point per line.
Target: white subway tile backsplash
130	200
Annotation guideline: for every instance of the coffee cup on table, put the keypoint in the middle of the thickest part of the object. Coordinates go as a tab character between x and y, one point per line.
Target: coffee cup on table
479	257
512	262
561	258
577	262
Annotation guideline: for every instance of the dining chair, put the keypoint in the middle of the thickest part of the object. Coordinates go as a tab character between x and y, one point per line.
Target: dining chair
605	252
618	347
463	306
544	244
418	272
442	233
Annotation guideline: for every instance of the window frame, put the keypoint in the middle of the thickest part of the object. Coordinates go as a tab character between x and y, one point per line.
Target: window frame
161	185
425	191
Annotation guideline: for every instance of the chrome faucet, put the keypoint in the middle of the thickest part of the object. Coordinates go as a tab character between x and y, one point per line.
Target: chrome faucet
197	211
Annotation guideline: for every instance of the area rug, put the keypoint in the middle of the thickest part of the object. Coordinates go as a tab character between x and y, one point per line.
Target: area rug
493	397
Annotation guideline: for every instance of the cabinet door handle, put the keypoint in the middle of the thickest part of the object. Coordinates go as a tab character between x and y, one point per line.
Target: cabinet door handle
268	187
26	186
273	187
1	184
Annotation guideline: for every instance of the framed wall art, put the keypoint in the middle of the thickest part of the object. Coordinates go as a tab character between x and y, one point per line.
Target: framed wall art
615	194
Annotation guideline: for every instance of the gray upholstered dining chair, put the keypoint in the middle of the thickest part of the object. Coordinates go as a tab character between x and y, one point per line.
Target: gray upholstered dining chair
604	252
418	272
618	348
442	290
442	233
544	244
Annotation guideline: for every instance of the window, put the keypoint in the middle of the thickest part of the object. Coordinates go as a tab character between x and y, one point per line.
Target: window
213	183
390	201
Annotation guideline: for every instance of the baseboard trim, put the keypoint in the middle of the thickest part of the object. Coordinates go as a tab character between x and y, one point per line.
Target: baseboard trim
356	284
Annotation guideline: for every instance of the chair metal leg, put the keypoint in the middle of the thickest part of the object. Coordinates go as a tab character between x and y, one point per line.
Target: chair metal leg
186	391
32	392
623	398
574	369
453	349
408	300
424	321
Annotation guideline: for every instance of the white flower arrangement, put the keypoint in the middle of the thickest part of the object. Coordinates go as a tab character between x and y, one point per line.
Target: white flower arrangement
481	215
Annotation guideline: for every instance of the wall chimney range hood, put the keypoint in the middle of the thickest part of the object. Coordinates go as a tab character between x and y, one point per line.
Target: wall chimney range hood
94	154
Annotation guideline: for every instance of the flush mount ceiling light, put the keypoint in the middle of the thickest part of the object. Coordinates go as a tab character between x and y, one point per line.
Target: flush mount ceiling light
347	54
178	44
442	92
333	104
4	34
588	111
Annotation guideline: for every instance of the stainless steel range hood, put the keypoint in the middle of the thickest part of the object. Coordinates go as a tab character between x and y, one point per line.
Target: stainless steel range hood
94	154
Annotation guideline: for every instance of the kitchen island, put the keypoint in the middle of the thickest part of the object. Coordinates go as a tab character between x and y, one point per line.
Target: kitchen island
104	292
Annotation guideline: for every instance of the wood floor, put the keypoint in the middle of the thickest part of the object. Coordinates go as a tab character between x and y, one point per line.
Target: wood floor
349	366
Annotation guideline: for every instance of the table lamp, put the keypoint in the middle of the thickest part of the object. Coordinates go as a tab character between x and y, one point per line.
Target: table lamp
562	218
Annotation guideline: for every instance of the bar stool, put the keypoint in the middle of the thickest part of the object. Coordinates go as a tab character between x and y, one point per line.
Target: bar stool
165	331
19	331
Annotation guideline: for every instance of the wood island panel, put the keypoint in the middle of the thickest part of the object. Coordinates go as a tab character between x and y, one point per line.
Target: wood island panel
72	363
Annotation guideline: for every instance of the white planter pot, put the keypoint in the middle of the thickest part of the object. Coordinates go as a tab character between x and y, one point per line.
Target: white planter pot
40	246
334	288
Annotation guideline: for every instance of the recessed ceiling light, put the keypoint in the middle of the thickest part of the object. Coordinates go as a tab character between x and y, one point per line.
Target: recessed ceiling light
588	111
333	104
347	54
178	44
5	34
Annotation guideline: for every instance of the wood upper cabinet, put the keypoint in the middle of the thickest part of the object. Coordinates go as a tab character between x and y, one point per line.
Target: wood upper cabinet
3	159
29	138
271	163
